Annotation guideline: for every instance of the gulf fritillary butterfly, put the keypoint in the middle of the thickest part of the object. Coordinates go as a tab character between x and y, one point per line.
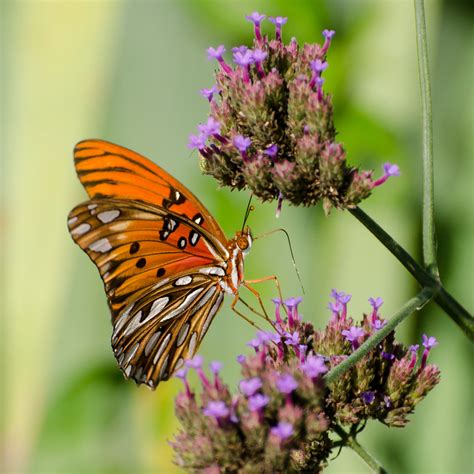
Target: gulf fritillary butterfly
164	260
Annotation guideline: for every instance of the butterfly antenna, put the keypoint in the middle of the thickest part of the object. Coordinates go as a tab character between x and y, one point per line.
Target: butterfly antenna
249	209
291	252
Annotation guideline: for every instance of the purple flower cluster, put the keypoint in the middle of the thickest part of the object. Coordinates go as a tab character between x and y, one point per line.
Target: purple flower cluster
275	422
388	382
283	412
270	126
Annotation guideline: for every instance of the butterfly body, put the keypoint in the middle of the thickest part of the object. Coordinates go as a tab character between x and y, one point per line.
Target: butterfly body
164	260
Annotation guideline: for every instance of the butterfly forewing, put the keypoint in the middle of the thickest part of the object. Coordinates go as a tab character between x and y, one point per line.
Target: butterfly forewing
159	252
111	171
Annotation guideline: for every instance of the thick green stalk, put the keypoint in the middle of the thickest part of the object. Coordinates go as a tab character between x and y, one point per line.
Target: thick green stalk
414	304
429	235
449	304
350	441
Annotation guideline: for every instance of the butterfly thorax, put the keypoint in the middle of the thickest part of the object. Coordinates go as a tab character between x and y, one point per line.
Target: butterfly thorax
238	248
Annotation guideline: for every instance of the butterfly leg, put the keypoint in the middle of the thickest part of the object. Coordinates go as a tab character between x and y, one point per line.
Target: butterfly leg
264	279
259	298
236	311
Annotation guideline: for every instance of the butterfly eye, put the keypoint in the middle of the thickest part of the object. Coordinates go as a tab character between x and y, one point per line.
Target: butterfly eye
242	243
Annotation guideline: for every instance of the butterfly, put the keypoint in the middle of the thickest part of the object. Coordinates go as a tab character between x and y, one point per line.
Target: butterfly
164	260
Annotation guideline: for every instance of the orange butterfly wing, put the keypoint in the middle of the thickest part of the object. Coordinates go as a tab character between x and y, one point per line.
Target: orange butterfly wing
159	252
111	171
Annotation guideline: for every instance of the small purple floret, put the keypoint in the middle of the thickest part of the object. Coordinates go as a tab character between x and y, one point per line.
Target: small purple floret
328	34
209	93
352	335
215	53
378	324
368	397
286	384
215	366
249	386
278	21
314	366
283	430
429	342
388	355
243	58
241	143
271	151
197	141
414	348
257	402
391	169
259	55
242	49
292	339
211	127
195	362
256	18
216	409
181	373
376	303
240	358
318	66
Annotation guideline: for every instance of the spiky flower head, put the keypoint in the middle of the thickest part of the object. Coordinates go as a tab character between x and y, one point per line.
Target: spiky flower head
280	417
277	135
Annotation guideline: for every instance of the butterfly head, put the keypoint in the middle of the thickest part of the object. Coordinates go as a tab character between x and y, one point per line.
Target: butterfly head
244	240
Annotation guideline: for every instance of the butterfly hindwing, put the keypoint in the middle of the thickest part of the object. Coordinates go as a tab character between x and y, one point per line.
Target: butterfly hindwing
155	334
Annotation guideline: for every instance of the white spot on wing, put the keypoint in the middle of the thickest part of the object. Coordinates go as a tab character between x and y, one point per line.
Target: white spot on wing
162	347
194	238
161	283
179	363
91	206
133	324
131	353
101	245
192	344
157	307
151	342
72	220
164	367
182	334
108	216
186	280
185	304
81	229
121	321
216	271
128	370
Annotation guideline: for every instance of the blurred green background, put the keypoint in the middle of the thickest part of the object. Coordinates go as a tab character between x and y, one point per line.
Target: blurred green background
130	72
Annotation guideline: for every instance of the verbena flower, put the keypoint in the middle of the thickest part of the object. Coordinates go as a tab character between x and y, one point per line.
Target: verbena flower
277	135
281	417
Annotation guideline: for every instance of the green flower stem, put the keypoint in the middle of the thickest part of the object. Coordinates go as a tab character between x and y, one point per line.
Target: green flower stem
414	304
429	235
350	441
449	304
